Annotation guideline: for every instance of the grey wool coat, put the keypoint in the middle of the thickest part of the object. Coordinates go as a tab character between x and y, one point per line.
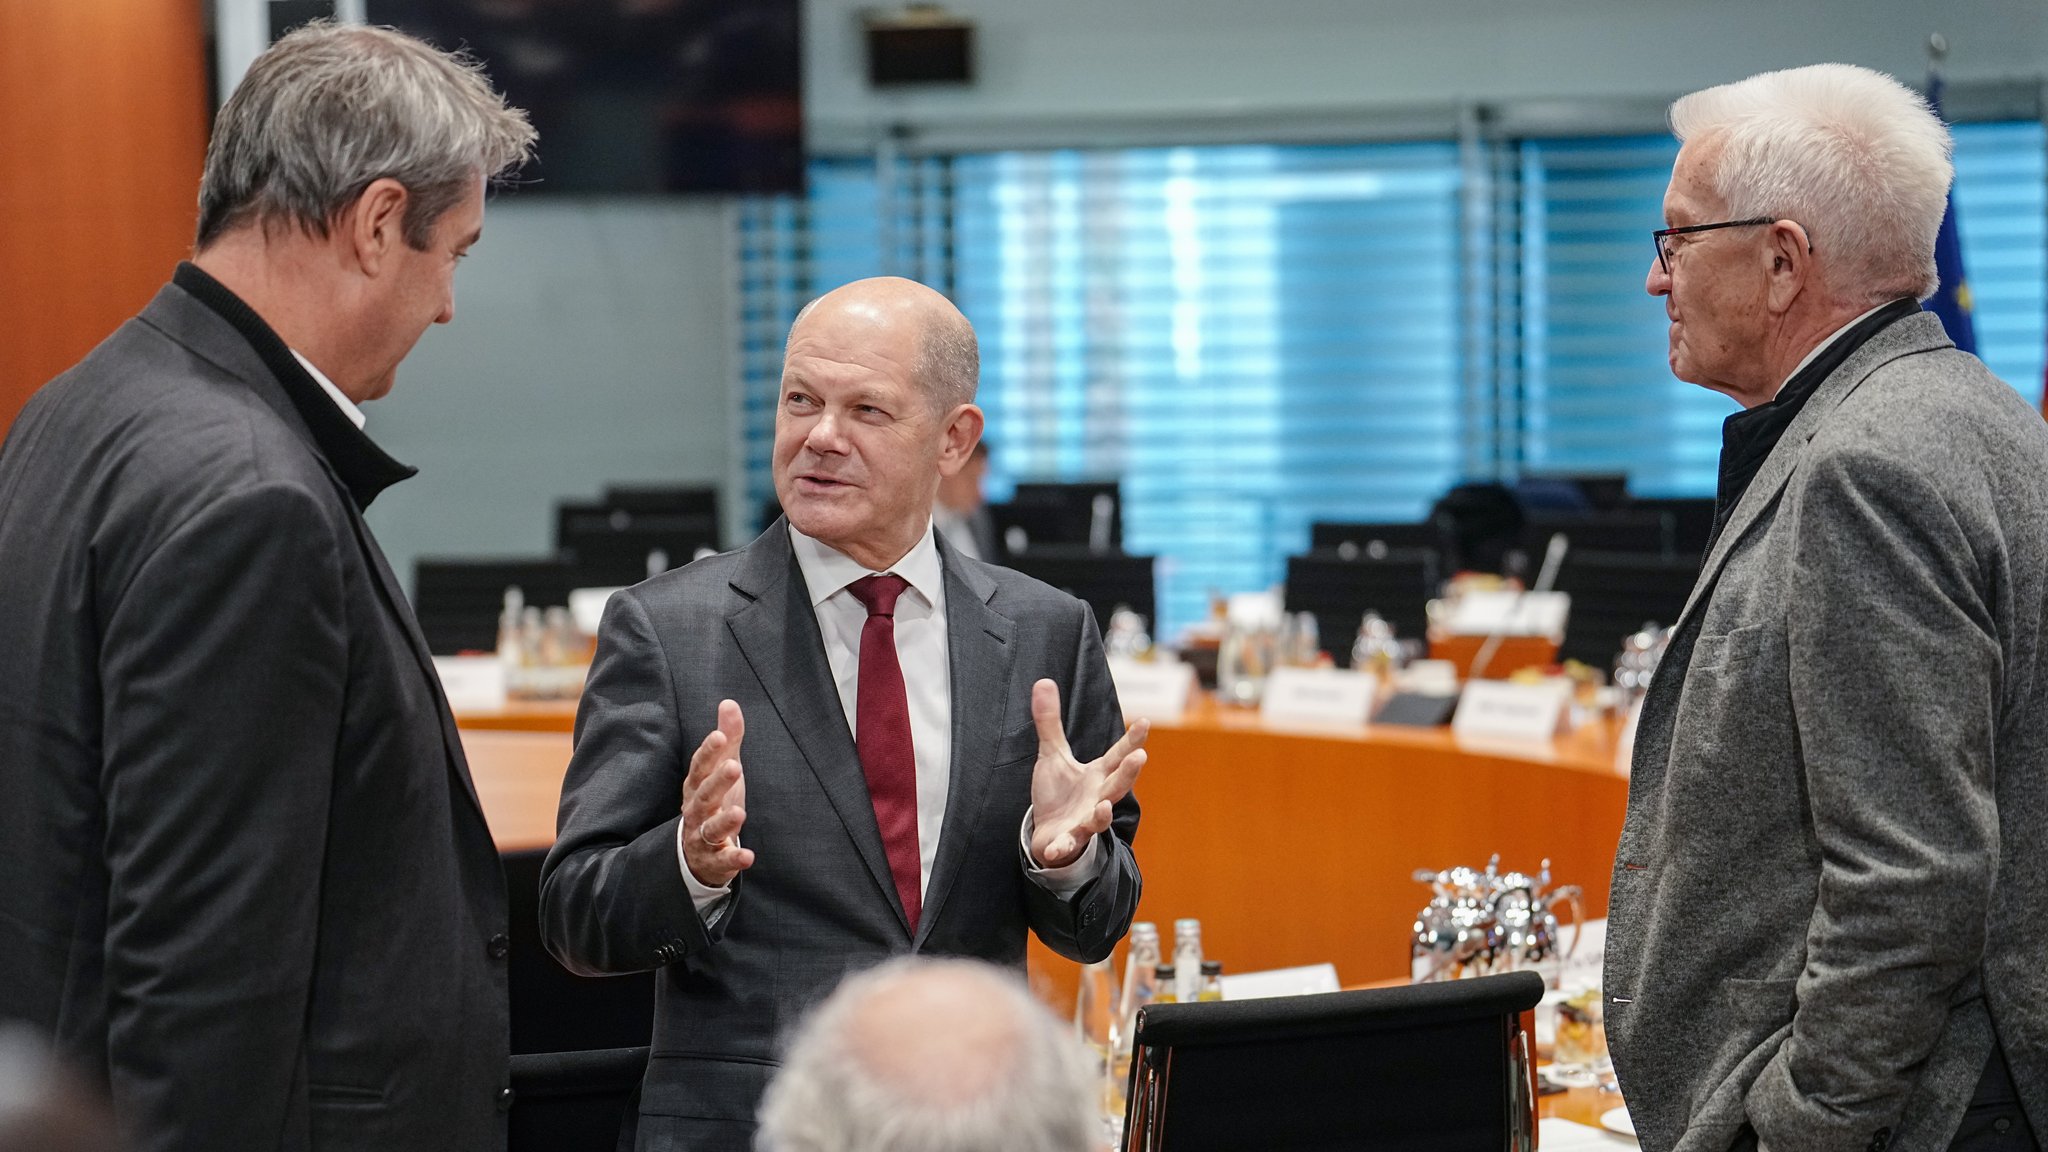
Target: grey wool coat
1828	899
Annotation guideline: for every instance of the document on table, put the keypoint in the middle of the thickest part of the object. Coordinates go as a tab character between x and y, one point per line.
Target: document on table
1556	1134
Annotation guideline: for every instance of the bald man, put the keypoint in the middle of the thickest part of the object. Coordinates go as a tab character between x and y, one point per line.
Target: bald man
842	742
869	1073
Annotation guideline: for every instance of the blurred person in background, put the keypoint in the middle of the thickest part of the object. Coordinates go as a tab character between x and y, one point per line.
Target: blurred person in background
961	511
43	1107
244	880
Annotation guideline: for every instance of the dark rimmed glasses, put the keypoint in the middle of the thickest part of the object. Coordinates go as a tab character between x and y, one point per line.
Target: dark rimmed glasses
1662	236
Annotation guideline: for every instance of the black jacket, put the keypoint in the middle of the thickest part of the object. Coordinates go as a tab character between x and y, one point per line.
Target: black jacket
243	874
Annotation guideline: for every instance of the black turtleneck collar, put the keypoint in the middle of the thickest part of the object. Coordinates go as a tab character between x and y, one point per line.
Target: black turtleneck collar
365	468
1748	436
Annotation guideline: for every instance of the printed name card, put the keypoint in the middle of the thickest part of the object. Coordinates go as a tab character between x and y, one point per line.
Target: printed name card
1156	690
474	683
1308	980
1500	710
1319	695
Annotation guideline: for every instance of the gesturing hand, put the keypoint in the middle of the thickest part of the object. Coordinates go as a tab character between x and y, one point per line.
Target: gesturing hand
715	803
1072	801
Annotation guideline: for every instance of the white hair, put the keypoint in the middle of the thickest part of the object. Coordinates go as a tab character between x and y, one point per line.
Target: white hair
1852	155
331	108
926	1078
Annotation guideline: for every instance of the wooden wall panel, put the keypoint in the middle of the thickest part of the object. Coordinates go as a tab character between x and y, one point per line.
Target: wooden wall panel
103	123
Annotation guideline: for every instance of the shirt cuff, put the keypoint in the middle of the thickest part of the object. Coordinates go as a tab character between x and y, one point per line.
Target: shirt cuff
701	894
1064	880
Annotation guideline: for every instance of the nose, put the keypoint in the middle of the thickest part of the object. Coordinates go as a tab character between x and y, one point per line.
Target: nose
825	437
447	310
1658	283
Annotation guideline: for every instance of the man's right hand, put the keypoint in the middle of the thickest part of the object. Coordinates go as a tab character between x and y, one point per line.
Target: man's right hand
715	803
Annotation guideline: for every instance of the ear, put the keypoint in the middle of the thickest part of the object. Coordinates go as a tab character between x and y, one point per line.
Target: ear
1788	259
963	432
374	226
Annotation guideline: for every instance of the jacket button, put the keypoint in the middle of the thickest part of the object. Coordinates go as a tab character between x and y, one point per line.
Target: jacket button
500	945
505	1099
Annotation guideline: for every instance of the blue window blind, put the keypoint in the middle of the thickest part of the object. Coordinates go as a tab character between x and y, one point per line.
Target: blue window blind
1598	394
1247	338
2002	216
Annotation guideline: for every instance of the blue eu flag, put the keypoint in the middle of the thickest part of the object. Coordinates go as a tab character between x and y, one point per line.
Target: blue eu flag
1951	301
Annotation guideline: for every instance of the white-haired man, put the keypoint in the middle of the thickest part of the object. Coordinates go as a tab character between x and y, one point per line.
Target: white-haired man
243	874
1825	916
931	1056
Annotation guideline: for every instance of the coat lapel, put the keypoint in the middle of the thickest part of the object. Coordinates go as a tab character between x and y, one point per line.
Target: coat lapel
776	629
205	333
978	639
1919	333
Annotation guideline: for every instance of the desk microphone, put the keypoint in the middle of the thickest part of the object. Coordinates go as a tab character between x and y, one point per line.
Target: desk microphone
1553	557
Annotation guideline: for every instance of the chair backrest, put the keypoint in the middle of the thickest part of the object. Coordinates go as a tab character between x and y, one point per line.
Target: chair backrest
1443	1067
1103	579
1614	594
1339	592
1354	539
572	1101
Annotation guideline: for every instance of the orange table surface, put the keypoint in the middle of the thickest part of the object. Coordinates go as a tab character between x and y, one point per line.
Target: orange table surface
1293	845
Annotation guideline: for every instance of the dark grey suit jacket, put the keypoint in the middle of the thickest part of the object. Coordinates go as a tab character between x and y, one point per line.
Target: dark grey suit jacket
242	872
819	900
1830	886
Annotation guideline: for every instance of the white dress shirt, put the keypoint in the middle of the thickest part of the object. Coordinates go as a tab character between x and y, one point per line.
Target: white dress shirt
925	657
341	400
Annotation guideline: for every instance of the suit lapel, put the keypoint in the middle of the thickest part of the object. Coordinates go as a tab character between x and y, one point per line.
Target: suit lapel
978	659
776	629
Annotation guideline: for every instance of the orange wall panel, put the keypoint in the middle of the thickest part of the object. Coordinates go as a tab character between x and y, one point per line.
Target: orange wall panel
103	123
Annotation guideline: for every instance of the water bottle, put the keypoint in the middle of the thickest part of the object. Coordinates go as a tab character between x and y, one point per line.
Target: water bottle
1187	959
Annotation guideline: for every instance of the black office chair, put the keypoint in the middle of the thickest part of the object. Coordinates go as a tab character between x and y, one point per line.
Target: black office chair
1614	594
458	602
1103	579
572	1101
1442	1067
1339	592
1361	539
553	1009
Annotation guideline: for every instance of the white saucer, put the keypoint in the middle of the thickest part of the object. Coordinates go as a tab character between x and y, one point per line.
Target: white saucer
1616	1120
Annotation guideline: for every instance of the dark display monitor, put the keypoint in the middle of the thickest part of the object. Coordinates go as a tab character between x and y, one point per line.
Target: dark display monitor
636	96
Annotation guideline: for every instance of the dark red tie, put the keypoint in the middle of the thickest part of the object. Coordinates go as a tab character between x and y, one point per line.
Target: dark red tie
882	736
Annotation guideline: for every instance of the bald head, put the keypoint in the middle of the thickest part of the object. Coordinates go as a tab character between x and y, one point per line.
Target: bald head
922	1055
948	361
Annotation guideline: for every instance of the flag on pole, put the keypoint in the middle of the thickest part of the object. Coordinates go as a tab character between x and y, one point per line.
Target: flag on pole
1951	301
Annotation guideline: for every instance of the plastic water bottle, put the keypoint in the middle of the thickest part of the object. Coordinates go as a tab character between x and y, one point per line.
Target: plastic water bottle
1187	959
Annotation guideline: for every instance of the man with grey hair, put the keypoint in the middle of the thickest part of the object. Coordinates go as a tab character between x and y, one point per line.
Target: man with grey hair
243	876
1825	920
931	1056
934	757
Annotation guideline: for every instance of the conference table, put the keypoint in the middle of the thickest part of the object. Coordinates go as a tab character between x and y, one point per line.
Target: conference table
1293	844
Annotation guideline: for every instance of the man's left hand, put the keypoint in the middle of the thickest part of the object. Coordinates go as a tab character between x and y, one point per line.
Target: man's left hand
1072	801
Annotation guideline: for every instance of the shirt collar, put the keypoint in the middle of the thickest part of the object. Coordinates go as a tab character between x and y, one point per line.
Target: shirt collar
340	398
827	571
1823	345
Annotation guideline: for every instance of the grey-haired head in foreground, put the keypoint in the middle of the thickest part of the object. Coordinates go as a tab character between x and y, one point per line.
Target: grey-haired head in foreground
922	1055
331	108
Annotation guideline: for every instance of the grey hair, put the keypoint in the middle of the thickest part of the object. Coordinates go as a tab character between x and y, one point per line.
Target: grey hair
332	108
828	1098
948	364
1856	158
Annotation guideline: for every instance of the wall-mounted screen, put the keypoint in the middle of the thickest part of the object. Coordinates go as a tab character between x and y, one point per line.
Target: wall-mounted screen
637	96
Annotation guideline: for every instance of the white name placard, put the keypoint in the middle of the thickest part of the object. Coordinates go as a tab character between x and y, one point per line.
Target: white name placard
472	683
1511	614
1156	690
1304	981
1319	695
1500	710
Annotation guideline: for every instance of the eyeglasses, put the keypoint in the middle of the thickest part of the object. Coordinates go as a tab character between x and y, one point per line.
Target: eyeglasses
1662	236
